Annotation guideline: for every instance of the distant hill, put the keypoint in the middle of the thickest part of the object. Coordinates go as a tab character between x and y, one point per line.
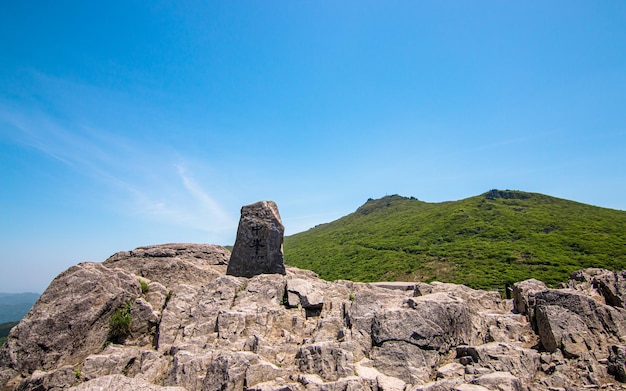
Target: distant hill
13	306
4	331
485	241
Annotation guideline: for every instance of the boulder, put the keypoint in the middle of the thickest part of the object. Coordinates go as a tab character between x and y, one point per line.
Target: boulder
190	317
121	383
328	360
258	246
612	286
70	320
560	328
617	362
226	372
524	295
304	292
500	381
577	323
502	357
174	263
188	369
450	371
604	286
57	379
125	360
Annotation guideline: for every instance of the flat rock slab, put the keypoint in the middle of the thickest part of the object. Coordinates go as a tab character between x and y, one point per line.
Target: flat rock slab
399	285
258	247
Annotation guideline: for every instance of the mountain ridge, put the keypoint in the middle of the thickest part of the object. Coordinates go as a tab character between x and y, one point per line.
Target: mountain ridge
13	306
486	241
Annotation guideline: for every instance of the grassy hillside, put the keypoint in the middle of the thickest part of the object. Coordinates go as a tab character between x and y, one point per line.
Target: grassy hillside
485	241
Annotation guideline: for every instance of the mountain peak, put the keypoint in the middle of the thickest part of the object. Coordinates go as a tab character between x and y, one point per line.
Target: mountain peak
485	241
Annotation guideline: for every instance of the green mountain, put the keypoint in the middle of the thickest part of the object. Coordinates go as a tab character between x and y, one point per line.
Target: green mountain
13	306
485	242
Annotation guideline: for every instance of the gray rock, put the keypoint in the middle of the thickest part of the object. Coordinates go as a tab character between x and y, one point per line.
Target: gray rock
8	377
121	383
439	385
353	383
258	247
504	357
388	383
612	286
188	369
399	285
404	361
190	317
500	381
305	292
559	328
446	321
524	295
263	372
577	323
617	362
125	360
451	370
173	264
55	380
599	284
70	320
227	372
470	387
325	359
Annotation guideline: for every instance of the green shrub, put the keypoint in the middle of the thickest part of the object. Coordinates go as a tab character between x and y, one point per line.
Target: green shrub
144	286
119	324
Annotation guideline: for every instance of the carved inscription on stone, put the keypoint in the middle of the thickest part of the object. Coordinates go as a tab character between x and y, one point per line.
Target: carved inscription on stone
258	247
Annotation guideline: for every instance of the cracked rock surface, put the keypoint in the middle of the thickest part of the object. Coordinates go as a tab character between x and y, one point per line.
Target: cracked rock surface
193	327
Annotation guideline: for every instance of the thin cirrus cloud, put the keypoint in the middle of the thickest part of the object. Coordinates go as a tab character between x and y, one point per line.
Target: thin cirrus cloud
206	202
126	174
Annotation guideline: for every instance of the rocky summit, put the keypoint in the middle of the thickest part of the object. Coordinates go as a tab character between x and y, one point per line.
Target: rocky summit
258	247
169	317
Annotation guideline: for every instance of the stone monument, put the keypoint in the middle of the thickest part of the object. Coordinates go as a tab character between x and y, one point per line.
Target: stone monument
258	247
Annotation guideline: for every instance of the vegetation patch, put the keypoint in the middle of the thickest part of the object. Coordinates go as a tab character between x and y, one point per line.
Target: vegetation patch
5	328
143	285
119	324
485	242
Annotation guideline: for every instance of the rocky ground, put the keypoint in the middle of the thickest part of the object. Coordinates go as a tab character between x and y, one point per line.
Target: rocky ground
192	327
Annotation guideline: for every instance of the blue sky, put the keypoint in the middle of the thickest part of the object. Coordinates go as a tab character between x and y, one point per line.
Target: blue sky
128	123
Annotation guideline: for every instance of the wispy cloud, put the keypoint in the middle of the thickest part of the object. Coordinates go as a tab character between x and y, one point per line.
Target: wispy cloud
150	181
207	202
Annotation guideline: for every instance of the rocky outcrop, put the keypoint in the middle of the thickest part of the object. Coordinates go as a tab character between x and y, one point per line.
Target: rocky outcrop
71	318
182	323
258	247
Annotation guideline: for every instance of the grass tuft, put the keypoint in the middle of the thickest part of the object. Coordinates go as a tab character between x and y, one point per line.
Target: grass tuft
143	285
119	324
